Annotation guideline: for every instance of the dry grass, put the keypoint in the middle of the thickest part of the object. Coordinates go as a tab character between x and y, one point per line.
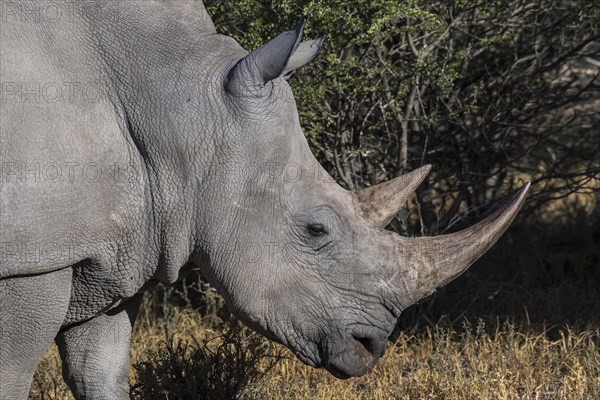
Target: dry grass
486	361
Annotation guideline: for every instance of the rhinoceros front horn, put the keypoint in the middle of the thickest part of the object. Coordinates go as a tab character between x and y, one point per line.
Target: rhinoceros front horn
426	263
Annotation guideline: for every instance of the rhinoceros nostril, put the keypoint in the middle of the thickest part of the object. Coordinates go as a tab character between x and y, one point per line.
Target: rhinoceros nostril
367	343
371	345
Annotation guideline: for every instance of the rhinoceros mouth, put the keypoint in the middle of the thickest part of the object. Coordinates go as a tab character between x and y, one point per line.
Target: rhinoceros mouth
338	373
347	365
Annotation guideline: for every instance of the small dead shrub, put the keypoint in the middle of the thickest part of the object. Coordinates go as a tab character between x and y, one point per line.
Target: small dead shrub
221	367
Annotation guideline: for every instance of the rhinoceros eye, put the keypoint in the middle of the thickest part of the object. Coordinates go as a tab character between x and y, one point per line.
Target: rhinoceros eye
316	229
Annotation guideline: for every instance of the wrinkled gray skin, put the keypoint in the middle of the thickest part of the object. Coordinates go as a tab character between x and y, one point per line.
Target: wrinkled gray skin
186	152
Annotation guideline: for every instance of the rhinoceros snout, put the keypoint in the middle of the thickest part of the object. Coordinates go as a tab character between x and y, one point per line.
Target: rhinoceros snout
356	356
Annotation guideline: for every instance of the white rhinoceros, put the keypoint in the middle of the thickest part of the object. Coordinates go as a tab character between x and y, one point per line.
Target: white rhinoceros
136	142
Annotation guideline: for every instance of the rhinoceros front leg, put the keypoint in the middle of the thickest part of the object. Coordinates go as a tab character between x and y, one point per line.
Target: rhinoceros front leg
32	308
95	353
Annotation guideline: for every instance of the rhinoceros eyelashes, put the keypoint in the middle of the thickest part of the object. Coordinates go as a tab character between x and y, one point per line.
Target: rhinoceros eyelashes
280	56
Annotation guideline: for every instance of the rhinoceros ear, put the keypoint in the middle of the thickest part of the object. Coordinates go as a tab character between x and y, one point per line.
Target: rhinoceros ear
279	56
305	53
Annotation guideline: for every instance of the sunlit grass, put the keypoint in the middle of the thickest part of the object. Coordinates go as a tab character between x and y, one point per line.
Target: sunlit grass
494	360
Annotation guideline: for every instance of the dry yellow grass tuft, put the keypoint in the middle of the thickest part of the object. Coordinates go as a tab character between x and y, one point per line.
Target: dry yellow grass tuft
487	361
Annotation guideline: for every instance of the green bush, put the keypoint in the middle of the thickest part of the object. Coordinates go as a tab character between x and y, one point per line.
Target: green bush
491	93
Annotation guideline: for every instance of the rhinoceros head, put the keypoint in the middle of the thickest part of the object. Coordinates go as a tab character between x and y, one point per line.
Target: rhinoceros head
299	258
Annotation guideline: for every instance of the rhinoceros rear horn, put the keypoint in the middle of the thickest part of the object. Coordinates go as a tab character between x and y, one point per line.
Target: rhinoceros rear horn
381	203
280	56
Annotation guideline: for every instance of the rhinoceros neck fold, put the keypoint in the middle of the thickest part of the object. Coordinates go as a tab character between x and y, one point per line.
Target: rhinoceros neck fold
158	72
